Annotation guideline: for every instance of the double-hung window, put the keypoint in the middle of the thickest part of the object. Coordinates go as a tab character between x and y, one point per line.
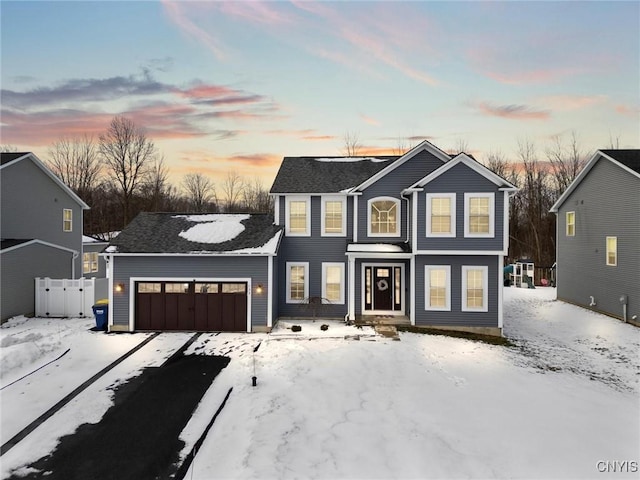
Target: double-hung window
89	262
571	224
384	217
297	282
67	220
437	287
479	214
475	286
441	214
334	216
612	251
298	216
333	282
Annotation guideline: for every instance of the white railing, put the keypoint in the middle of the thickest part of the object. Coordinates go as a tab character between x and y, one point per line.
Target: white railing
65	297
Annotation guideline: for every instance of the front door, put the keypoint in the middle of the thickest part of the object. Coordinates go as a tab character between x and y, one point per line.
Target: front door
383	289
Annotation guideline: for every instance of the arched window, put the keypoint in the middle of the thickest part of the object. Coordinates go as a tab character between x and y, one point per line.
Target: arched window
384	217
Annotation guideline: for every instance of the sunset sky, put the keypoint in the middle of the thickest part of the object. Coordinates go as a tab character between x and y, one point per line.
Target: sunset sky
235	86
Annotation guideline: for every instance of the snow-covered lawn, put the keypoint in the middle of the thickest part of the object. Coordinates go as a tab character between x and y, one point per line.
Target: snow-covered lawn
346	403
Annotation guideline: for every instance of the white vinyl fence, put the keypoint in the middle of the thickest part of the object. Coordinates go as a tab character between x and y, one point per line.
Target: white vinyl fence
67	298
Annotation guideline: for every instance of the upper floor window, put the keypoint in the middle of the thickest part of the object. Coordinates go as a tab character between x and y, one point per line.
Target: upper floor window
437	287
571	224
384	217
333	282
89	262
297	282
475	288
479	214
334	217
441	214
612	251
298	217
67	220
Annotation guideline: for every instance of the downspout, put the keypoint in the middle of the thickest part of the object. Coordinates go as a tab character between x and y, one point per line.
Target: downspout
74	255
409	225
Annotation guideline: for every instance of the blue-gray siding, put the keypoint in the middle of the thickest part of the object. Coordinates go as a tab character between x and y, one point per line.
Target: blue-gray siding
32	206
20	267
460	180
606	204
456	317
196	266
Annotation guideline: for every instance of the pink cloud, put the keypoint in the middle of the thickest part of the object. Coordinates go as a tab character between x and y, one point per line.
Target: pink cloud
515	112
269	13
370	120
207	91
628	111
572	102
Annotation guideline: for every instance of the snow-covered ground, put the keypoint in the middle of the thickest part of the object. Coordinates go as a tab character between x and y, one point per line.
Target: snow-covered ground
564	402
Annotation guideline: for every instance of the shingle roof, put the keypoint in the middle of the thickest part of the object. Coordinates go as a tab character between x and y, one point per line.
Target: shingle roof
160	233
7	157
12	242
326	174
629	158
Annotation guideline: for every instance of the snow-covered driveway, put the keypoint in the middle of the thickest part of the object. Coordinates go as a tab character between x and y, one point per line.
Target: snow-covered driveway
345	403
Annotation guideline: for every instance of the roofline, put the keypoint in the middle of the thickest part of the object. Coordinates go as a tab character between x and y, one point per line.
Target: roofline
41	242
189	254
424	145
587	168
471	163
51	175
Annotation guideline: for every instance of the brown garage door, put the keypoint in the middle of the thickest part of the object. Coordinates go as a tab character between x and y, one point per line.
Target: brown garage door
193	306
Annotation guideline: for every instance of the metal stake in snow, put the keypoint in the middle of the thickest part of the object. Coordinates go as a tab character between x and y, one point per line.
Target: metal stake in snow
254	379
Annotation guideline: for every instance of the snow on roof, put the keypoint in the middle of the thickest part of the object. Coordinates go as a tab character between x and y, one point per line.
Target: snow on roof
351	159
267	248
213	228
374	247
111	249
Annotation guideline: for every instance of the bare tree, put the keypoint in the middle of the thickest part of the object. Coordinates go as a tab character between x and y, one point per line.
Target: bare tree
352	145
256	197
614	142
402	146
75	161
566	161
156	191
200	191
232	188
128	153
8	148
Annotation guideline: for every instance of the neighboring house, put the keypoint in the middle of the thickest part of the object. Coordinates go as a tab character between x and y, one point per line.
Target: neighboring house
598	236
40	229
418	238
93	265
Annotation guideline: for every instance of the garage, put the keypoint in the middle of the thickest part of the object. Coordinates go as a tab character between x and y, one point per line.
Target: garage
192	306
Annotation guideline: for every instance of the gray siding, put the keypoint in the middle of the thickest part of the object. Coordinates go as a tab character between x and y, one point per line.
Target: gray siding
606	204
456	317
460	180
165	267
32	206
102	264
19	269
391	185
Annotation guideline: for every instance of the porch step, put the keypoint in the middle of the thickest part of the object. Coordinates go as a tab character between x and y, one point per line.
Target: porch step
388	331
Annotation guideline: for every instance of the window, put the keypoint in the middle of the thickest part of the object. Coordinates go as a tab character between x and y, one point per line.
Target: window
67	220
333	283
297	282
89	262
474	288
571	224
479	214
206	288
334	218
612	251
297	216
384	217
176	288
149	287
441	214
437	287
234	288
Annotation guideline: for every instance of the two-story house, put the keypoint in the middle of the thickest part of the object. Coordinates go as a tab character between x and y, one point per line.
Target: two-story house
598	236
418	238
41	230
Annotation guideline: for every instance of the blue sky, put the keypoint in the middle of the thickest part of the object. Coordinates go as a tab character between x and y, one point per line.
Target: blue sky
235	86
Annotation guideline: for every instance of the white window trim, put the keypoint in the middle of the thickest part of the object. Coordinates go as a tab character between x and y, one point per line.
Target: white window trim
298	198
343	201
606	248
306	281
485	289
325	265
398	217
91	260
492	214
566	228
64	220
427	287
452	198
